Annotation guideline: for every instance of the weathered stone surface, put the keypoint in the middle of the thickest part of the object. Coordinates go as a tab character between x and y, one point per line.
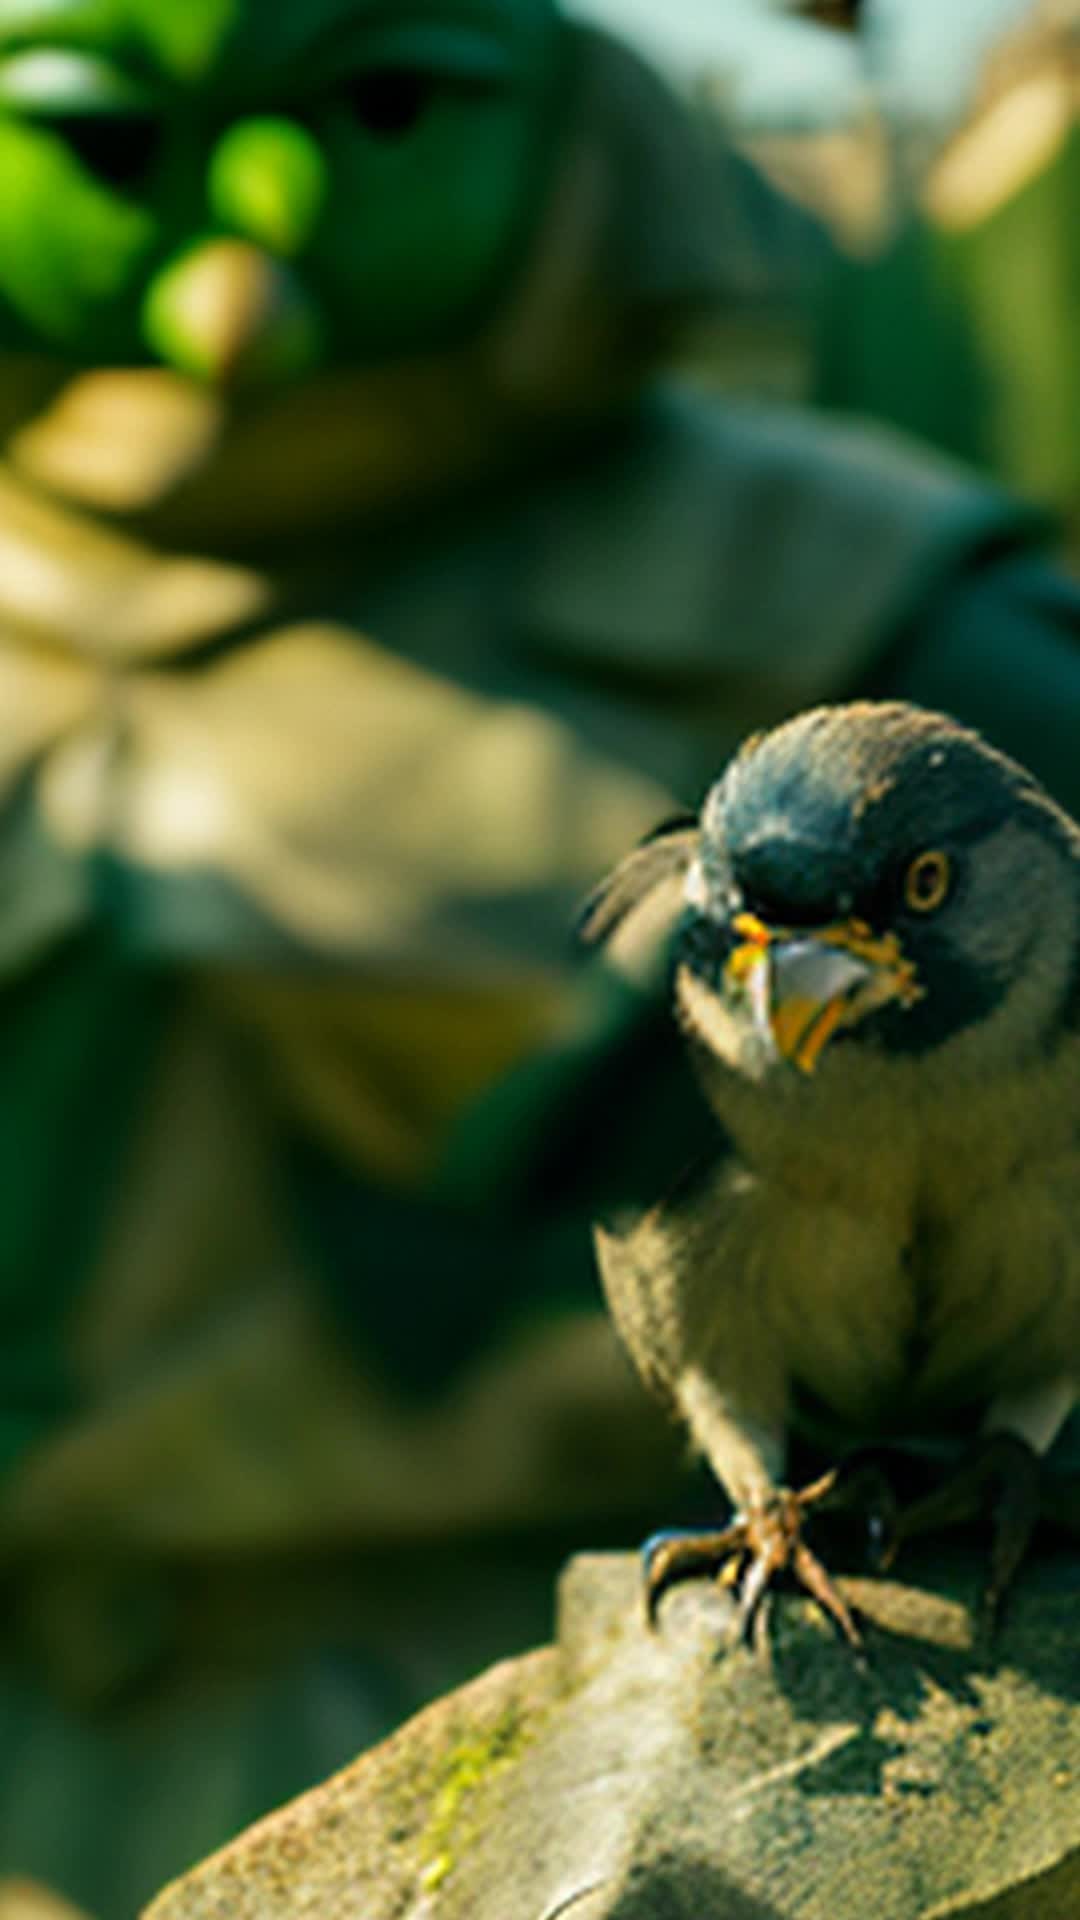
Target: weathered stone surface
628	1775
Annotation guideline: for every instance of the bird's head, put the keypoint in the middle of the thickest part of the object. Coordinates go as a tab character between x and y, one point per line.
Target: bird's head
871	876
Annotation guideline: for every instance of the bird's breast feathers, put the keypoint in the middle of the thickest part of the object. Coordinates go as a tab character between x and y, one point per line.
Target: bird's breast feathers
910	1256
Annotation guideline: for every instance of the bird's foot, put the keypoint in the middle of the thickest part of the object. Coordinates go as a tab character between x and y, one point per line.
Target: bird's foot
757	1548
1001	1476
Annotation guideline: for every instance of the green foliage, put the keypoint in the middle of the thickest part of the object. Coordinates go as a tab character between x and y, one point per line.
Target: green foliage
393	160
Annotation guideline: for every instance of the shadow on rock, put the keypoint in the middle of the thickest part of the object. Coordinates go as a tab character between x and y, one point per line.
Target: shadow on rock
687	1888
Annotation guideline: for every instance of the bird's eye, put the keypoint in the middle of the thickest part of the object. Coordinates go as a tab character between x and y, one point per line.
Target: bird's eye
927	880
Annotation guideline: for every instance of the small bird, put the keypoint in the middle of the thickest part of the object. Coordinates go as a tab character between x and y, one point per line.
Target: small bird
874	938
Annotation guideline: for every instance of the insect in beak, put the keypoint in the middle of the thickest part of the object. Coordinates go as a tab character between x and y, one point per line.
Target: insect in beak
799	988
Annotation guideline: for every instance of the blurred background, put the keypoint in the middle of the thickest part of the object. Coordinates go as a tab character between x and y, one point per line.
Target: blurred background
429	440
935	158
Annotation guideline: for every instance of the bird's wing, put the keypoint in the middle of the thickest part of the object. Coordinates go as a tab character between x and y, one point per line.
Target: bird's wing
658	1269
676	1286
634	908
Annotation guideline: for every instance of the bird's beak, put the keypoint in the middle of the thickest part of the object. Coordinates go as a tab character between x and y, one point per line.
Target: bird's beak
802	987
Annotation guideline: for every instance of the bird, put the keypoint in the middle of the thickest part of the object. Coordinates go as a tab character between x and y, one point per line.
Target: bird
871	933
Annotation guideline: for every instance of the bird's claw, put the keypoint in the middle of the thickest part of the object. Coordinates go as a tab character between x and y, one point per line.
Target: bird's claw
750	1554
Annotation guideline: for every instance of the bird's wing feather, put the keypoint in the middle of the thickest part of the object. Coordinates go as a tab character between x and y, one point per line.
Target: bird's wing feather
634	908
657	1268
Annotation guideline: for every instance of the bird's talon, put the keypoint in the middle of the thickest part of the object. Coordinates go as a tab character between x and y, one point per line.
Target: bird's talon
747	1557
674	1555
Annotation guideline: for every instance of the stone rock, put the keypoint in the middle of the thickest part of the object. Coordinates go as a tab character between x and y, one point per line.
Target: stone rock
624	1774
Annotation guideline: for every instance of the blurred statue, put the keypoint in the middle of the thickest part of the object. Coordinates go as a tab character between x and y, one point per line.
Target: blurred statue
363	592
939	147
